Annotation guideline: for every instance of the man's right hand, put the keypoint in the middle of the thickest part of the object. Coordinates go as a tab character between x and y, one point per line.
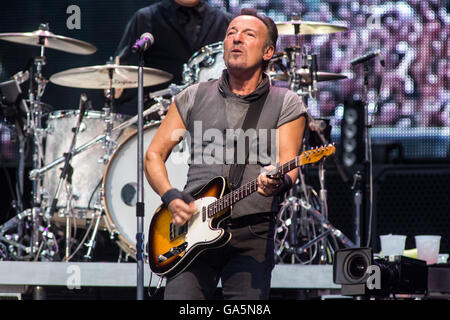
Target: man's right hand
181	211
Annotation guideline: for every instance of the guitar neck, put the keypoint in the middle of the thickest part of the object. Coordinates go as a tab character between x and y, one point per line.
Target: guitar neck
247	189
240	193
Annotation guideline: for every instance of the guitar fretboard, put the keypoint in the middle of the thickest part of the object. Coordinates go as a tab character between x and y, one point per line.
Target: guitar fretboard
247	189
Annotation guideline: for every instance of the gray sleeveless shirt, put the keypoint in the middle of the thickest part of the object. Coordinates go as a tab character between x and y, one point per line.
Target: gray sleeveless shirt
213	116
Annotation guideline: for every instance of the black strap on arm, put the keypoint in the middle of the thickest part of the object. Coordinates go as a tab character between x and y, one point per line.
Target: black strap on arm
251	120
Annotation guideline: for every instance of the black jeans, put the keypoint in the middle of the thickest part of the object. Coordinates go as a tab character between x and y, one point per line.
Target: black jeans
244	265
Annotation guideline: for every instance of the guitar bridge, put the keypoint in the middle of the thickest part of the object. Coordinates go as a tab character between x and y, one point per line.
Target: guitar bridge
172	252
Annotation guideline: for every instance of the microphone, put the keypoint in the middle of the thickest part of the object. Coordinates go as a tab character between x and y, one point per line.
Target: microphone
143	43
367	57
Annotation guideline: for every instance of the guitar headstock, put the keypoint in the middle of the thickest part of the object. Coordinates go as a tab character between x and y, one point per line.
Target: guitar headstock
317	154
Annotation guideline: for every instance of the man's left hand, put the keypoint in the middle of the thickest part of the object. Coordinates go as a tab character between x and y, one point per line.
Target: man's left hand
266	186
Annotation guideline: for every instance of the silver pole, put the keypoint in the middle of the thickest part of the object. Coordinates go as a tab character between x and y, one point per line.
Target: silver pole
140	186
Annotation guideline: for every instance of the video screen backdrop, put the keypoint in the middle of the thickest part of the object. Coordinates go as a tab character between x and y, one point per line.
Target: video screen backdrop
412	89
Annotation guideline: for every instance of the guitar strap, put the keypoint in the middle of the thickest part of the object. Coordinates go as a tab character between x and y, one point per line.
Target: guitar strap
251	120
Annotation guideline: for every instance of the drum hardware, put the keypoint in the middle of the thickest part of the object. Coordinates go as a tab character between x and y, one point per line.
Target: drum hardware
305	229
298	233
43	38
301	27
326	230
66	174
107	109
88	171
304	76
205	64
91	244
21	76
172	90
161	107
34	129
108	76
19	246
13	108
119	186
36	173
188	75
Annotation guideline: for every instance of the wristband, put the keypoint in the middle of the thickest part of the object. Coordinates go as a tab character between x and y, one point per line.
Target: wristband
170	195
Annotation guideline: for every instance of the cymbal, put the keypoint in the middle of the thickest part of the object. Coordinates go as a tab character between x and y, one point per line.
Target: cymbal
307	28
306	77
98	77
50	40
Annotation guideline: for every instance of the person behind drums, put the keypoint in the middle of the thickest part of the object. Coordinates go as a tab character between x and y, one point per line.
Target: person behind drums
245	263
180	28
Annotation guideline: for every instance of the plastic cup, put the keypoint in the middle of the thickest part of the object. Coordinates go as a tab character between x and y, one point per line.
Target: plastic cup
392	244
428	248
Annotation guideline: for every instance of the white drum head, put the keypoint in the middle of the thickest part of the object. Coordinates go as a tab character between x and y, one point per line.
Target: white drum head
120	187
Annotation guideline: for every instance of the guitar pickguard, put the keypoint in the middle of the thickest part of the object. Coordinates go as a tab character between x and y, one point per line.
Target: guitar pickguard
199	226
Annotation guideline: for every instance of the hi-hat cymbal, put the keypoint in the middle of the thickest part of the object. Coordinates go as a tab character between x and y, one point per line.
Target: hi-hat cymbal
99	77
299	27
306	77
50	40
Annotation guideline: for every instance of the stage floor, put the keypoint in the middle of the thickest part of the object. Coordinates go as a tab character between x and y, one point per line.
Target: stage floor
105	274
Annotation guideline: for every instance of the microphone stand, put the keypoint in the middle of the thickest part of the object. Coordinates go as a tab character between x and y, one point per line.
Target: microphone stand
140	183
367	176
319	127
68	170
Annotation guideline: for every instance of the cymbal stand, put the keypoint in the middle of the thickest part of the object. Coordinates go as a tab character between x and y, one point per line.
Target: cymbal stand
330	229
294	204
21	168
108	143
37	133
294	77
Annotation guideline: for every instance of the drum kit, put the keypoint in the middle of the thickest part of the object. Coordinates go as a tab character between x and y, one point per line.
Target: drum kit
86	178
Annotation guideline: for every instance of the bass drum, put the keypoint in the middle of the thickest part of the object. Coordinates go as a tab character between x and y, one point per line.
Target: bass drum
120	188
205	64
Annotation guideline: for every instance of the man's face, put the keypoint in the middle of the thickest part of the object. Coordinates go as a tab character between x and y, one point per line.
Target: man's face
244	44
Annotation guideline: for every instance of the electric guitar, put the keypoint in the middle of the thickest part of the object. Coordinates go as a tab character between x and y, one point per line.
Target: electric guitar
172	248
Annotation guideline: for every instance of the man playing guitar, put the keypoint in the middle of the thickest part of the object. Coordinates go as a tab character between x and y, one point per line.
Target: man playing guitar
244	263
